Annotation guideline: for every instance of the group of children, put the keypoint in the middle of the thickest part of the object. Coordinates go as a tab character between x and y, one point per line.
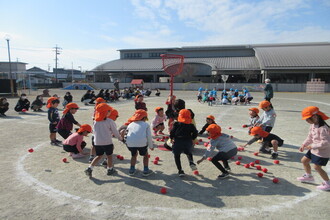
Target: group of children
137	135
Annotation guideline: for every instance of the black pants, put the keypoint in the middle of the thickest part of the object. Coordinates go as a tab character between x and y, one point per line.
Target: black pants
74	149
3	110
182	146
224	156
64	133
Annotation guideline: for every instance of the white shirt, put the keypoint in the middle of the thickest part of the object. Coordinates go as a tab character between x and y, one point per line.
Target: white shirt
139	135
103	131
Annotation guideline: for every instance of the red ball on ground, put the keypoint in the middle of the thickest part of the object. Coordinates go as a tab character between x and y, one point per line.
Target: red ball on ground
238	162
252	164
208	137
196	172
242	148
276	161
265	170
156	158
24	110
121	158
244	126
155	162
163	190
231	136
239	149
229	128
200	140
247	165
162	140
276	180
209	158
205	144
255	153
197	143
258	167
240	158
260	175
148	155
30	150
64	160
257	161
233	158
157	139
118	156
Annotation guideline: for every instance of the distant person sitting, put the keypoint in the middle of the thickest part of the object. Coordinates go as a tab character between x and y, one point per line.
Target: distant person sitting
157	92
37	104
23	104
87	98
4	106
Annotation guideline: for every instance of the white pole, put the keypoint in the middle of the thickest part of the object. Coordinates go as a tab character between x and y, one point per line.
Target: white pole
72	72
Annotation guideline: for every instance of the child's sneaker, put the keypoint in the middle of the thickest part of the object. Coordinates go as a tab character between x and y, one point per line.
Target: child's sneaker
193	166
58	141
274	155
324	186
131	172
76	156
224	175
147	172
111	171
88	172
181	173
306	179
227	169
265	151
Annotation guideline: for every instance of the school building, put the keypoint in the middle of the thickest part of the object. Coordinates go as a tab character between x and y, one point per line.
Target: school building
282	63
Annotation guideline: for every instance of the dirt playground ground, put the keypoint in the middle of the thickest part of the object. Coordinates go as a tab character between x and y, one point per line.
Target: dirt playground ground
39	185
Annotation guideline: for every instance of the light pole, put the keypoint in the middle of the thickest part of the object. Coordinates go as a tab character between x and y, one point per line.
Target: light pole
10	74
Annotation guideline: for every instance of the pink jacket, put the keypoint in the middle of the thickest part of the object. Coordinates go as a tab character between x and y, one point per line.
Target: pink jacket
319	139
157	120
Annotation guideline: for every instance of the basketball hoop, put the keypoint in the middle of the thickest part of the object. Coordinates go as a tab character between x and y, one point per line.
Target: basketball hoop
173	66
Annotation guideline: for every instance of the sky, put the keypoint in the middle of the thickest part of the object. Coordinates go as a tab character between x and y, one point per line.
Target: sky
90	33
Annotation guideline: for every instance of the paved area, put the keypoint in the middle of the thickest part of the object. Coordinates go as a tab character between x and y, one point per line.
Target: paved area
39	185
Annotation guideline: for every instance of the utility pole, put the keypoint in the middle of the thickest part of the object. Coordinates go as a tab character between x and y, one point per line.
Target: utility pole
10	74
57	52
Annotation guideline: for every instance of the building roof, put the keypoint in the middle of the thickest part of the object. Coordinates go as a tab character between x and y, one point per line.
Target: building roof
267	56
223	63
294	57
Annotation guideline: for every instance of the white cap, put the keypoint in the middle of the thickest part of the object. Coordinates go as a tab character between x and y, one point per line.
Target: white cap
267	80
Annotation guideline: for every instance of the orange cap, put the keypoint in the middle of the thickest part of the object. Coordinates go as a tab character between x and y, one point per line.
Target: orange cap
158	109
113	114
211	117
254	110
69	106
214	131
101	111
264	104
49	101
259	131
100	100
138	96
185	116
139	115
85	127
312	110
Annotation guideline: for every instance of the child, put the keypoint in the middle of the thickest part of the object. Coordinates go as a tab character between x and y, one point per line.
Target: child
138	139
158	121
170	112
224	100
4	106
87	97
66	123
254	117
247	96
157	92
267	119
209	120
67	99
205	96
92	152
267	140
183	134
318	145
199	94
103	128
54	118
224	145
139	104
37	104
75	143
23	104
